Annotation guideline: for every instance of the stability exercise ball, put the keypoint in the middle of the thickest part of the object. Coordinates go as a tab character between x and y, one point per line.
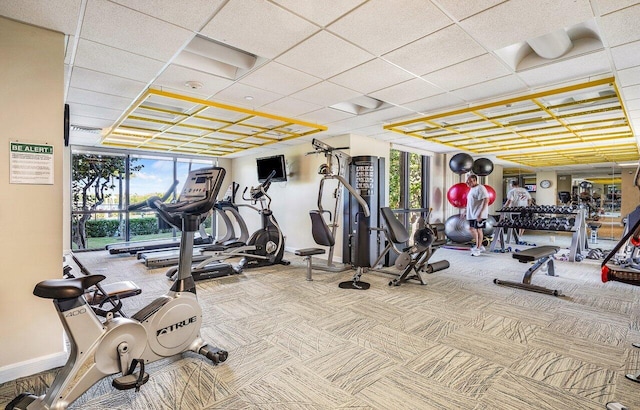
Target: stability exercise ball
457	195
461	163
489	226
492	194
482	167
456	228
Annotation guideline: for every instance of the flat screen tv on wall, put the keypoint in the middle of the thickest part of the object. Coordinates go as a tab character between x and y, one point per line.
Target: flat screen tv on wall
268	164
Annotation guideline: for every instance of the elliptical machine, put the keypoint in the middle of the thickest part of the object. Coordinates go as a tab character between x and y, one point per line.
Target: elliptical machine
265	247
166	327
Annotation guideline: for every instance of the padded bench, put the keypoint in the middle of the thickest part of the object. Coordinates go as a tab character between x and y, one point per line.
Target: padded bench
542	256
307	253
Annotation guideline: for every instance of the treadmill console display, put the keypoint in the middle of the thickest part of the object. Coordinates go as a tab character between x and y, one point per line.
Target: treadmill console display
197	185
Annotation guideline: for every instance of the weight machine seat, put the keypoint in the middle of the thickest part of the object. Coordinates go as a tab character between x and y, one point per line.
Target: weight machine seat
533	254
66	288
397	232
309	251
319	229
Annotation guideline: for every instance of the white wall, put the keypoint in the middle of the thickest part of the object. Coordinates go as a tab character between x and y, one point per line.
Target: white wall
547	196
31	78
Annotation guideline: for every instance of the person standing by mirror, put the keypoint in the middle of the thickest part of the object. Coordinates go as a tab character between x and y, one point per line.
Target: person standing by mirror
477	212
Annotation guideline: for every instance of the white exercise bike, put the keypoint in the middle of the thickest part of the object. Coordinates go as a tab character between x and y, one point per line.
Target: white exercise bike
166	327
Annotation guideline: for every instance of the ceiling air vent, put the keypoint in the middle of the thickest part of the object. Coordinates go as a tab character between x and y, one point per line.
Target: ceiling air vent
360	105
212	57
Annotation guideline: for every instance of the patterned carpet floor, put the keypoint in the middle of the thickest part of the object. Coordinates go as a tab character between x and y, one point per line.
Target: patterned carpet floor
459	342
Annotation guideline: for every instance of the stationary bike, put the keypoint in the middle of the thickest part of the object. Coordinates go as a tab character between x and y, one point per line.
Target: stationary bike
166	327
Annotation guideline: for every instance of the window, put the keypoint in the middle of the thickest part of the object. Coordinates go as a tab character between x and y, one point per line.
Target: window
105	183
409	185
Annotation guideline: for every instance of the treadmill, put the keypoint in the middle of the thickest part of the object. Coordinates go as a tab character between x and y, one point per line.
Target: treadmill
224	207
133	247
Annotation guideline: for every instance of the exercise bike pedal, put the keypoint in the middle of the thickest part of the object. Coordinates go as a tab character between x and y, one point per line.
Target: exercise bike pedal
133	380
130	381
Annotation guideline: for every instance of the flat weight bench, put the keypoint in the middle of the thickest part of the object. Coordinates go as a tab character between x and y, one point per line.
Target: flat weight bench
307	253
543	256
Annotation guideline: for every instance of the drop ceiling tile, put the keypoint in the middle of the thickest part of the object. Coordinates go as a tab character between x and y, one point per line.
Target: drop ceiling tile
463	9
109	60
433	104
84	138
191	17
59	16
236	93
325	94
320	12
492	88
466	73
175	77
575	68
380	26
325	116
621	27
76	95
371	76
279	78
135	32
289	107
515	21
608	6
443	48
629	76
259	27
633	105
407	91
324	55
626	56
105	83
631	93
84	110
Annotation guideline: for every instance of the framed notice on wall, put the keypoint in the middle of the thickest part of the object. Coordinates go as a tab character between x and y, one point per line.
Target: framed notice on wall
30	163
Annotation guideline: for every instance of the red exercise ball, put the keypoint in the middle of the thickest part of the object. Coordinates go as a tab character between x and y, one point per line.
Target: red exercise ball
457	195
492	194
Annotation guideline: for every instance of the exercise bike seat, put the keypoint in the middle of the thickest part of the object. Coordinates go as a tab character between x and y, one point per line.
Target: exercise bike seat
66	288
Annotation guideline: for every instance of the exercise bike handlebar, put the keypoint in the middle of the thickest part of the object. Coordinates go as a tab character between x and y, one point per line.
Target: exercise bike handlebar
145	203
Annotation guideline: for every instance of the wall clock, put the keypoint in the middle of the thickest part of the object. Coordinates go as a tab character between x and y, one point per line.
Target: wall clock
545	183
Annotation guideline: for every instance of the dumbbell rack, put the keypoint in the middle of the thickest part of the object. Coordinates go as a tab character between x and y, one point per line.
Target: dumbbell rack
503	235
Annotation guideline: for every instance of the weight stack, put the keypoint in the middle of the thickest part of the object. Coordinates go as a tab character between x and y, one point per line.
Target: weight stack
360	244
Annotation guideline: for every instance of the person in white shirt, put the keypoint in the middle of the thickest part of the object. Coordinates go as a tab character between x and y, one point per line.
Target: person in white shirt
477	212
518	196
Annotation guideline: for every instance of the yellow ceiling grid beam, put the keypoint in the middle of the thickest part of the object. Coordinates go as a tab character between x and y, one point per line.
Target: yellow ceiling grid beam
155	122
